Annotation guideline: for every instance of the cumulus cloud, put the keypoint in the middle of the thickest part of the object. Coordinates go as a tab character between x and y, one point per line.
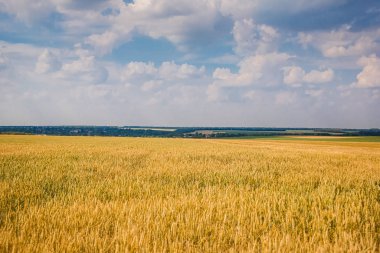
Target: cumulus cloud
369	77
247	54
41	10
257	69
19	50
139	70
17	61
316	76
47	62
189	21
151	85
84	70
362	45
103	43
262	70
238	9
168	71
295	76
342	42
179	23
186	22
254	38
26	12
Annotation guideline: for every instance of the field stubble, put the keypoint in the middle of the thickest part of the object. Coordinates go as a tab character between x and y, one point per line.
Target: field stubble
94	194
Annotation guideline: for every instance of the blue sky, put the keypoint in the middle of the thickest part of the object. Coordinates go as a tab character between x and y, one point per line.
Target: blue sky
274	63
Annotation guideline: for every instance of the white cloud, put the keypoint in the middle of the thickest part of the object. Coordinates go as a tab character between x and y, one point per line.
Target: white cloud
316	76
47	62
369	77
253	38
19	50
295	76
151	85
168	71
186	22
238	9
139	70
90	91
362	45
84	70
262	70
224	74
259	70
172	92
26	12
342	42
40	10
103	43
18	61
178	23
305	39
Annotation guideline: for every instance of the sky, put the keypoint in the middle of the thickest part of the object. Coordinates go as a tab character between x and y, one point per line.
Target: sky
243	63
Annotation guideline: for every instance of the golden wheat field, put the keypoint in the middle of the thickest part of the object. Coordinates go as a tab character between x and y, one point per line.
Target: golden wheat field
98	194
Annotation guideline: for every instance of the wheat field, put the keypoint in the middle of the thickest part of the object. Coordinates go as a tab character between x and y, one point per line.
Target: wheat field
98	194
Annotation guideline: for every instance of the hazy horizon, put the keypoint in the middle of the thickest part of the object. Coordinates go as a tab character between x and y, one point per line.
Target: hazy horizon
216	63
174	127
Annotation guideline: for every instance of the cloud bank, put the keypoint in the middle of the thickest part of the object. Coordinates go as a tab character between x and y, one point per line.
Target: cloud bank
194	63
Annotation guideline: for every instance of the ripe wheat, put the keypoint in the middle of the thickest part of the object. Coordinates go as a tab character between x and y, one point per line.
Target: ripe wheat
96	194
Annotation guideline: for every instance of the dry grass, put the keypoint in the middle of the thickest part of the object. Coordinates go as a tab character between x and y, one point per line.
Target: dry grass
88	194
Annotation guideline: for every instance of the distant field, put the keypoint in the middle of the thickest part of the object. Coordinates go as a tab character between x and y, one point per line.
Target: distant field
266	132
110	194
313	138
154	129
337	139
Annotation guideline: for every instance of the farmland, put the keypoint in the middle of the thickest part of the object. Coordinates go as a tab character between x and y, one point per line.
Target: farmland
112	194
188	132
